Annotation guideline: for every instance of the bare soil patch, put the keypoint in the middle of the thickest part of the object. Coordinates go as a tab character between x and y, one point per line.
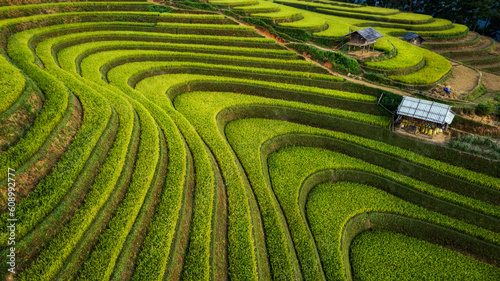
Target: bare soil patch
491	120
464	79
360	54
491	82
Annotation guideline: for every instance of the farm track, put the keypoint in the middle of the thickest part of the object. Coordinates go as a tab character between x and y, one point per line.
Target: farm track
207	164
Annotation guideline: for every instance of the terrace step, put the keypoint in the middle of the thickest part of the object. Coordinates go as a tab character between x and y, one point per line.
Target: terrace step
220	258
16	121
9	12
128	255
483	60
233	3
261	7
88	239
472	39
471	36
485	46
493	68
42	162
48	227
285	14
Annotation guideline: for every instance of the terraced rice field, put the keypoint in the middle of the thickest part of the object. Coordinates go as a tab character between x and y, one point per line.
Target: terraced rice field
141	145
406	66
328	22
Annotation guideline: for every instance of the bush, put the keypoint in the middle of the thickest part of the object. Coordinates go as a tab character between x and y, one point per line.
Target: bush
474	139
485	108
375	77
339	61
197	5
495	155
391	101
302	35
476	150
465	146
159	9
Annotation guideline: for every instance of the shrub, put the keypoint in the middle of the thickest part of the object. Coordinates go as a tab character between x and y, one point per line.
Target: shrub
391	101
465	146
485	108
159	9
197	5
476	150
474	139
339	61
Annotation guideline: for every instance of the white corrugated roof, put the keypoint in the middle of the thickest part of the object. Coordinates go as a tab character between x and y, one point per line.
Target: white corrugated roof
449	117
426	110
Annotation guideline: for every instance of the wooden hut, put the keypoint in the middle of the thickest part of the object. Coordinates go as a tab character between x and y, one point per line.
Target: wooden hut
414	39
363	38
422	116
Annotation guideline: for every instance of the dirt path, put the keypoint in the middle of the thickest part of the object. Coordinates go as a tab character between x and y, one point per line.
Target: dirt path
282	42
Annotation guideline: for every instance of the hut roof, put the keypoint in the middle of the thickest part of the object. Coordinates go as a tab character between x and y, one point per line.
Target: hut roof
426	110
369	34
411	35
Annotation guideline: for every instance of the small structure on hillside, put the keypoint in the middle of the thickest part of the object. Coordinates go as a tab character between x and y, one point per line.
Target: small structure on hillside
363	37
422	116
414	39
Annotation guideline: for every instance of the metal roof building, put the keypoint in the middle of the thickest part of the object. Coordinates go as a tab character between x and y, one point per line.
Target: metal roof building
369	34
363	37
413	38
426	110
410	35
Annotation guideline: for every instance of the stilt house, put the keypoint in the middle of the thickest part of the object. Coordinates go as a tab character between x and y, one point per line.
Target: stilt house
363	37
414	39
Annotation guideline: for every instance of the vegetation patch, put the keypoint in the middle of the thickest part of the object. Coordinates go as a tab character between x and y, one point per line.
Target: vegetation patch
193	148
484	146
435	68
371	249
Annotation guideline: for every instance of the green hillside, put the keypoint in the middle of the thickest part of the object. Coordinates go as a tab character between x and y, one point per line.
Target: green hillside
172	141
